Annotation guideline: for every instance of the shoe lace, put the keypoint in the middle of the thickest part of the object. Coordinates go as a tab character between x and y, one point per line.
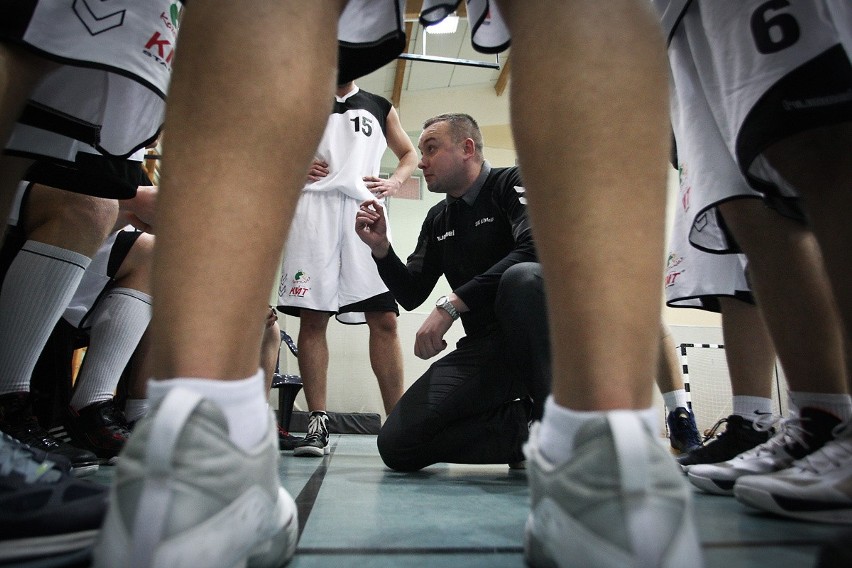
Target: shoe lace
711	433
789	433
18	458
835	454
317	426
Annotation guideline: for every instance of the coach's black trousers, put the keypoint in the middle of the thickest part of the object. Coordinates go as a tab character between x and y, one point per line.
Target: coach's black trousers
466	407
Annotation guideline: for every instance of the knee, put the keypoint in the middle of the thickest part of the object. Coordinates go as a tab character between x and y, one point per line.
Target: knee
383	323
135	270
390	449
61	217
312	324
89	215
521	286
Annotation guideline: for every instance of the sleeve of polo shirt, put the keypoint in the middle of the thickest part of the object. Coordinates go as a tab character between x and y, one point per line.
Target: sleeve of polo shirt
411	283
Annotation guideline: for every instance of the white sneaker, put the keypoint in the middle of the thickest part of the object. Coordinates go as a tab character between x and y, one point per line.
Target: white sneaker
795	438
817	487
185	496
620	501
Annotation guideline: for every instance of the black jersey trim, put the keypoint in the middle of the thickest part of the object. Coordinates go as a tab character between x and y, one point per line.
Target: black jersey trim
87	176
44	117
817	93
16	17
356	59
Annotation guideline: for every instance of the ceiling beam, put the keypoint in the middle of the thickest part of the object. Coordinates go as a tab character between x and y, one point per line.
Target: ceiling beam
399	76
503	79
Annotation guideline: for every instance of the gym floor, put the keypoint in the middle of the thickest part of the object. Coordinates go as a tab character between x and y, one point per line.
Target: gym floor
353	511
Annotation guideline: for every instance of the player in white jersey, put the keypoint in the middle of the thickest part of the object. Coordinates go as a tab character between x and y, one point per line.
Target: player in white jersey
81	69
326	268
763	92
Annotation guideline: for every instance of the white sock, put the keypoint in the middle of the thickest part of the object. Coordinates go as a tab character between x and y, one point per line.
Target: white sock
39	284
135	408
243	402
560	425
118	322
749	407
675	399
838	404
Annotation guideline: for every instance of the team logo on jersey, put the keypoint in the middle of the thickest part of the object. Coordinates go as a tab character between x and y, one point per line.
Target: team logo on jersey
161	45
522	194
445	235
175	12
672	277
484	220
96	17
673	260
298	286
160	49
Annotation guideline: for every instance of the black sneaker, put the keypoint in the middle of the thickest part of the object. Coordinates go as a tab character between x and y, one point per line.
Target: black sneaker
286	440
17	420
43	509
740	435
100	428
683	433
316	442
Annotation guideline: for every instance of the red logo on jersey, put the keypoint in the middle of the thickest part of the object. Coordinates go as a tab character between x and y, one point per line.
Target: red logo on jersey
298	292
165	49
670	278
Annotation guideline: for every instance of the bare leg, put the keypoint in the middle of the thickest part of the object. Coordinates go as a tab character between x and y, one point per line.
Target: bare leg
269	352
789	281
140	368
583	220
386	356
593	147
817	164
69	220
267	71
222	227
748	349
135	271
669	377
313	357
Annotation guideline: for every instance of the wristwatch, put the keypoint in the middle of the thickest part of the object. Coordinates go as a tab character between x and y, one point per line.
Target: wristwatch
445	304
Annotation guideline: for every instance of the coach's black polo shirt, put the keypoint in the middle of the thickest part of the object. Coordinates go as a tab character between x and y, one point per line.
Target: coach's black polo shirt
472	241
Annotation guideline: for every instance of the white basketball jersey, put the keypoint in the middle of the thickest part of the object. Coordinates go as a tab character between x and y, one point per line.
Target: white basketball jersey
353	144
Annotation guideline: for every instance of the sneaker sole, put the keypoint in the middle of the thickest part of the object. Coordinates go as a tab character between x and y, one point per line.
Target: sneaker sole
806	510
712	486
84	470
311	451
42	546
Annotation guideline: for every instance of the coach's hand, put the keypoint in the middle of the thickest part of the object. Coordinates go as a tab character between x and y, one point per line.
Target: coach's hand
429	340
372	228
